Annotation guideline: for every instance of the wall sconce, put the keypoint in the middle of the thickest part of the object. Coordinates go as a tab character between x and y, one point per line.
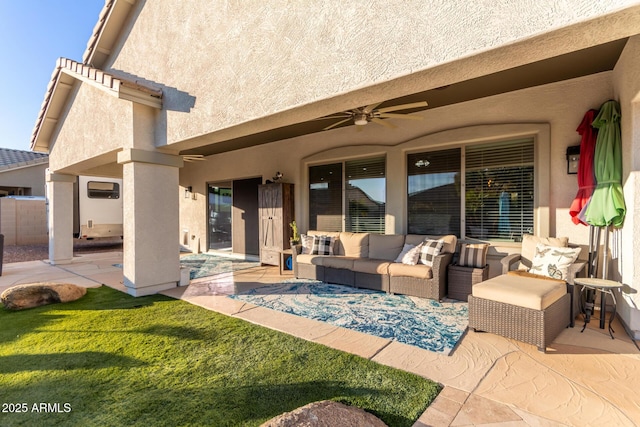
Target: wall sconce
573	159
187	192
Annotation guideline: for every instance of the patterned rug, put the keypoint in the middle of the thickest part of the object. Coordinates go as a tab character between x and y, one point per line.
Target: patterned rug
203	265
428	324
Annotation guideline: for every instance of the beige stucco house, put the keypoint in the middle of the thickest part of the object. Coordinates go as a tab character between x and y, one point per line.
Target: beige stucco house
242	84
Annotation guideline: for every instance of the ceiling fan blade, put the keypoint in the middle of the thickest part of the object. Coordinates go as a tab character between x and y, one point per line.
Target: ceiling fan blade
334	116
383	123
337	124
403	107
190	158
400	116
370	108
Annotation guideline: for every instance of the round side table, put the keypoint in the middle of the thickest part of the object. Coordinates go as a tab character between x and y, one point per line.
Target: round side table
605	287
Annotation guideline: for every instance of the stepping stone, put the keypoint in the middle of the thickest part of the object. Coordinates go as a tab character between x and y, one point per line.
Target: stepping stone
36	294
325	413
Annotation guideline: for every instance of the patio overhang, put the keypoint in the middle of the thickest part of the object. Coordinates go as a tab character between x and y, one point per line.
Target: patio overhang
65	75
592	60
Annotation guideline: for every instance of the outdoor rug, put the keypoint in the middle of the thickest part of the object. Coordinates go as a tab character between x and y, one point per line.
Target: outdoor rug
428	324
203	265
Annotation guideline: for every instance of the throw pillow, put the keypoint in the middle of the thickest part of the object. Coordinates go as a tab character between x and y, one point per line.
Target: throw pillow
411	257
473	255
307	243
430	249
406	248
323	245
553	261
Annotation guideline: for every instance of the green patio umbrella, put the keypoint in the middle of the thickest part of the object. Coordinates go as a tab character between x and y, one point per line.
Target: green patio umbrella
607	202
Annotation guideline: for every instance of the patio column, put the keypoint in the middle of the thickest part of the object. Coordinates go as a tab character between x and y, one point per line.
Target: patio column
151	259
60	217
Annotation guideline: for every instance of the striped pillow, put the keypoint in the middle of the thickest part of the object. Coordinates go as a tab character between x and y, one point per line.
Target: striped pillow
430	249
473	255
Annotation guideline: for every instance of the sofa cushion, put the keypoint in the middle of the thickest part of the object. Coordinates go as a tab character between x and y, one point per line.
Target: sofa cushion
521	291
553	261
355	244
345	263
385	246
405	249
371	266
310	259
419	271
450	241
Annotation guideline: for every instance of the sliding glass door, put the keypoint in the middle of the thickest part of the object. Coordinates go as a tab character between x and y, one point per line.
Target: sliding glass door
220	203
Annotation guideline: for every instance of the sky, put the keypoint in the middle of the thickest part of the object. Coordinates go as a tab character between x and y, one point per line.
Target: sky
33	35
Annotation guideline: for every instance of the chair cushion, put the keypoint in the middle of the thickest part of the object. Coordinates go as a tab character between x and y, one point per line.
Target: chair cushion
553	261
419	271
473	255
528	292
355	244
385	246
371	266
529	243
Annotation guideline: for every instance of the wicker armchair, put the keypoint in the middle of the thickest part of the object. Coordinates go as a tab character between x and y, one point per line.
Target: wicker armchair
525	307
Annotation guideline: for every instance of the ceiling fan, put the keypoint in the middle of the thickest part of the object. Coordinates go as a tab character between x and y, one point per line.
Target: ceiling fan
363	115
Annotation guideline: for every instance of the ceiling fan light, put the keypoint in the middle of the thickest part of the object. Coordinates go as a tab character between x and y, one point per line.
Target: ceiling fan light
360	119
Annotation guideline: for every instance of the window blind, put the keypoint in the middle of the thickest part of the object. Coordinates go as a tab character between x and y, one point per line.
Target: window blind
325	197
365	195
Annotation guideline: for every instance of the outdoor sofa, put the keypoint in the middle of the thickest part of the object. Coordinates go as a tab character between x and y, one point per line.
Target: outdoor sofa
368	260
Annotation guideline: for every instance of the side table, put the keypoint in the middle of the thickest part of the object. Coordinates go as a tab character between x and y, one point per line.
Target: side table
285	260
605	287
461	280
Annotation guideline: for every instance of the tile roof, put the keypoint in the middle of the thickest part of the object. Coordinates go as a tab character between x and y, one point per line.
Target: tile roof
10	158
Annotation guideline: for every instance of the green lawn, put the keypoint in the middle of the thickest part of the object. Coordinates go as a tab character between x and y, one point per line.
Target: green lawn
111	359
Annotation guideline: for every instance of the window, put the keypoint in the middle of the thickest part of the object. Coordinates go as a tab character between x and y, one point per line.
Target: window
499	190
103	190
433	205
358	206
494	183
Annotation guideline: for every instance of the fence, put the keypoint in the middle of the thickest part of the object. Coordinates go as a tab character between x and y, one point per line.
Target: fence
23	220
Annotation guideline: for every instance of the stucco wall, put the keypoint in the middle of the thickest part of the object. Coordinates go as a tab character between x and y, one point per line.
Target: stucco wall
561	105
626	264
226	63
95	123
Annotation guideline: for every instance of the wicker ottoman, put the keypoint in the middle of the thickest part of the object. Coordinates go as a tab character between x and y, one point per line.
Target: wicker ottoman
462	279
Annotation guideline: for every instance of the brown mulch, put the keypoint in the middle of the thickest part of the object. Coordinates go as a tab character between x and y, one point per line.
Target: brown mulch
40	252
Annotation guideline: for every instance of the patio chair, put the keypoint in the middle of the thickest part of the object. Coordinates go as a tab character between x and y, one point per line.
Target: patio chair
525	306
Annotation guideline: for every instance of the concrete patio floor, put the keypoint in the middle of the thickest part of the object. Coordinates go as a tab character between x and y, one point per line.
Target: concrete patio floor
583	379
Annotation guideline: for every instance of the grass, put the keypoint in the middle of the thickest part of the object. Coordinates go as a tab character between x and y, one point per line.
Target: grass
111	359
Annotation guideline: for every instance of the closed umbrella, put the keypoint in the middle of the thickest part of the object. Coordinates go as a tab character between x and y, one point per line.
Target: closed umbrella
586	177
607	205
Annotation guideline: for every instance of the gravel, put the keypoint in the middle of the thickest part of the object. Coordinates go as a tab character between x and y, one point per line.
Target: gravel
40	252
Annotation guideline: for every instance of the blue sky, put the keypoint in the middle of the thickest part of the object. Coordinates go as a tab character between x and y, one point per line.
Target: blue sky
33	35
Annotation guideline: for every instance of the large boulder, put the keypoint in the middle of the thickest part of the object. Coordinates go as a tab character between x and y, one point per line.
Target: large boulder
32	295
325	413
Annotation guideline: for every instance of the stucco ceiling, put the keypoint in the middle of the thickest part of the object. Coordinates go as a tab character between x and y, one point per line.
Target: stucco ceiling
576	64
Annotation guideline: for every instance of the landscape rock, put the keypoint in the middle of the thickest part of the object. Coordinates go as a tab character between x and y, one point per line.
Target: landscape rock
32	295
325	413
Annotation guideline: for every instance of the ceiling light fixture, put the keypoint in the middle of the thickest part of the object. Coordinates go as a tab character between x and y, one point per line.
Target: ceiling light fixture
360	119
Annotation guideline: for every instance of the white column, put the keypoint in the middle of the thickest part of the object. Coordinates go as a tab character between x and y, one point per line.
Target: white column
60	216
151	259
